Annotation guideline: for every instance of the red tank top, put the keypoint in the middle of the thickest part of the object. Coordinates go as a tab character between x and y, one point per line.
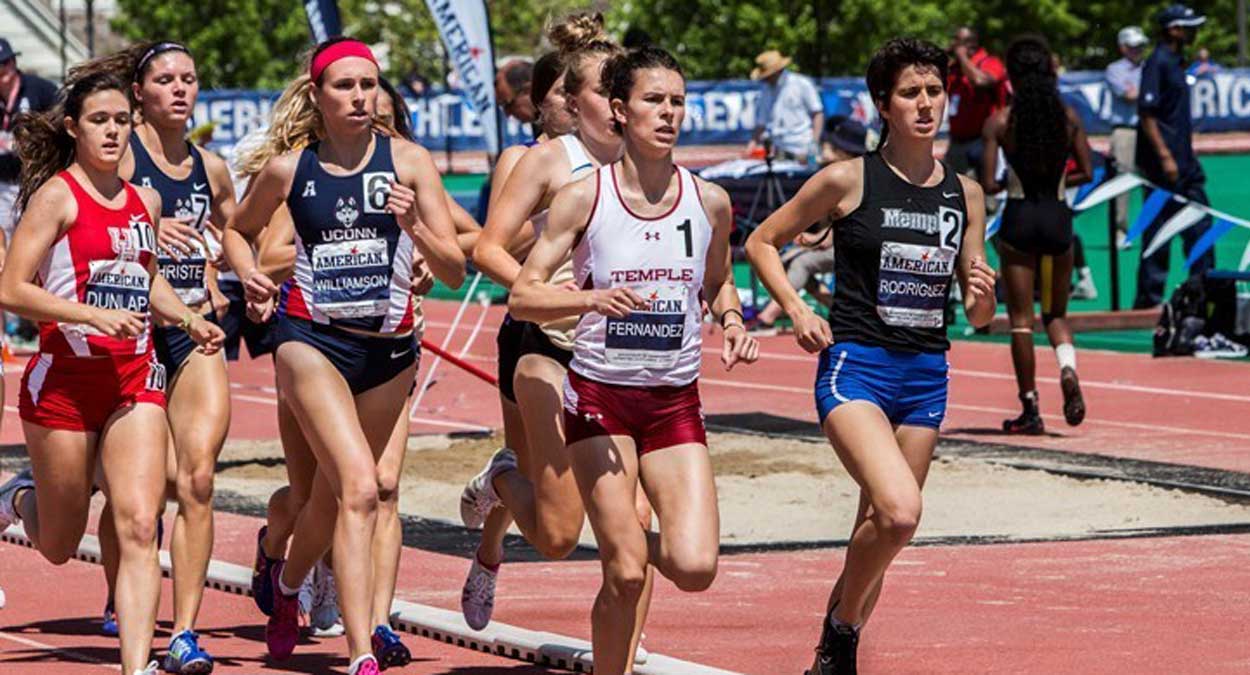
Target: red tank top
101	260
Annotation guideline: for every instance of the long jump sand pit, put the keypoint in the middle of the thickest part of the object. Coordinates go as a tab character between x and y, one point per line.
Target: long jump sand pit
782	490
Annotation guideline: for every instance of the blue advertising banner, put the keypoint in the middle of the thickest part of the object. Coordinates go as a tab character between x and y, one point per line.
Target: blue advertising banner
723	112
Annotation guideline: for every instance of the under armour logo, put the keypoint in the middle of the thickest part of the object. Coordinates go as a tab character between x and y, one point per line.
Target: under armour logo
310	189
652	236
593	417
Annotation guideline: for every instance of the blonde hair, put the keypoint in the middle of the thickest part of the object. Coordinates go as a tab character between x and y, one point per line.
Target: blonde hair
294	124
580	37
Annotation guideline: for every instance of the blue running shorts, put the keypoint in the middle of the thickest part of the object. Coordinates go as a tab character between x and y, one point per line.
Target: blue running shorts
910	388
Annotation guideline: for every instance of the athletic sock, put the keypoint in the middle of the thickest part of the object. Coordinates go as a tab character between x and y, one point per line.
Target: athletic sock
1066	355
838	623
282	588
1029	400
493	568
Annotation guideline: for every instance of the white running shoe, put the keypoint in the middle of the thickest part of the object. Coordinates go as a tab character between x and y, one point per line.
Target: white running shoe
323	613
477	600
153	668
1215	347
2	598
8	514
1085	289
479	496
640	654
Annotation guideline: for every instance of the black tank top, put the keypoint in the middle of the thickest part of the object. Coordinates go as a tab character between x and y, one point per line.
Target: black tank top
191	198
895	257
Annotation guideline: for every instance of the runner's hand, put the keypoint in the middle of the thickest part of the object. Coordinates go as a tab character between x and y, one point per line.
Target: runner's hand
177	238
810	331
402	203
259	312
615	302
1170	169
221	304
117	323
206	334
422	278
981	279
739	347
258	287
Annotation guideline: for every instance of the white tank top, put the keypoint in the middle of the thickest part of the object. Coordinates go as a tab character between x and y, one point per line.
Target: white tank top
561	332
663	260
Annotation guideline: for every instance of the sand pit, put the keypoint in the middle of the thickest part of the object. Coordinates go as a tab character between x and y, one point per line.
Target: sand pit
781	490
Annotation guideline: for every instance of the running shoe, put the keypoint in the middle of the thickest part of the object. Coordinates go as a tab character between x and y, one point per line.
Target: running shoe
8	513
1073	402
153	668
1218	347
185	656
365	665
1084	288
477	600
109	627
479	497
262	584
282	629
388	649
2	598
836	654
323	611
1029	423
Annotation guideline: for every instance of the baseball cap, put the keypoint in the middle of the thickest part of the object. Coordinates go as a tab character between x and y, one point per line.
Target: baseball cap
1132	36
1180	15
6	50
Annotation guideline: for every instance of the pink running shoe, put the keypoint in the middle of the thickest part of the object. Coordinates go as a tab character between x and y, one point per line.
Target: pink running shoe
365	665
282	631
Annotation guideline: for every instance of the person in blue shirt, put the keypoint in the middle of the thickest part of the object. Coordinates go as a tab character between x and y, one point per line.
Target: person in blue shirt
1203	65
1165	150
1123	78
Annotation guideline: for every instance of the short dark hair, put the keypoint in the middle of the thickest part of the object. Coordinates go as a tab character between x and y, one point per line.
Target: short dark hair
896	55
519	74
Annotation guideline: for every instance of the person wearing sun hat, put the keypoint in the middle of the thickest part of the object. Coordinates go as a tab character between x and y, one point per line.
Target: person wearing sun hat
1123	78
789	109
1165	148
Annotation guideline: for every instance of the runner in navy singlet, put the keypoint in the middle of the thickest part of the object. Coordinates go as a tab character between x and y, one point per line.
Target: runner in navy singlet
361	204
904	225
83	263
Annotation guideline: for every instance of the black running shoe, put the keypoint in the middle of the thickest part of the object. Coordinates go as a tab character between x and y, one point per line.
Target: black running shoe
262	584
1073	402
1029	423
836	654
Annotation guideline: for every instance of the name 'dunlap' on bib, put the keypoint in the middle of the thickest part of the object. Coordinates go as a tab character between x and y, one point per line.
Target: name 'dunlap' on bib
912	285
651	337
116	284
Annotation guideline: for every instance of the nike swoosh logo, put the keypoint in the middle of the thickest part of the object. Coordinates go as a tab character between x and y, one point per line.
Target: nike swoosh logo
199	186
934	414
949	195
400	355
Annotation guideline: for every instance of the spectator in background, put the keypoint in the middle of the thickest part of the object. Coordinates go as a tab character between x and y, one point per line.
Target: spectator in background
976	88
1124	80
512	90
812	252
789	111
19	93
1165	150
1203	65
417	84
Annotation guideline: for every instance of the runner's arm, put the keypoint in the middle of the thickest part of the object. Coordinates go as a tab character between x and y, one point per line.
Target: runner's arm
976	276
718	279
507	216
265	193
427	219
1080	150
989	150
275	247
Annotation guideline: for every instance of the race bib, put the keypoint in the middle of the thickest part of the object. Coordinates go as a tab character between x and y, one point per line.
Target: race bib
911	288
351	279
651	337
187	275
117	284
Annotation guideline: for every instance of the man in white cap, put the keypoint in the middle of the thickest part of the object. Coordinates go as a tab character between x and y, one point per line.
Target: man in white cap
1124	80
789	110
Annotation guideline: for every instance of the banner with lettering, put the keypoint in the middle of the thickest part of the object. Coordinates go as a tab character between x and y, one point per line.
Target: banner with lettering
465	28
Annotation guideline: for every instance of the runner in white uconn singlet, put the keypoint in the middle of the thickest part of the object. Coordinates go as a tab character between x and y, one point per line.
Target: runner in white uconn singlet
663	260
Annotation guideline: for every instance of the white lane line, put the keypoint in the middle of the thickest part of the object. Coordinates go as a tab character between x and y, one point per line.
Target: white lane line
67	653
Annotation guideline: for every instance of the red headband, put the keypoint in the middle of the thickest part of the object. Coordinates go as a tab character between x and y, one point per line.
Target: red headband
336	51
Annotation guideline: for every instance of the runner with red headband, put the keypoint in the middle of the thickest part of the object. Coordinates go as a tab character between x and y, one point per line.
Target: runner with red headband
362	204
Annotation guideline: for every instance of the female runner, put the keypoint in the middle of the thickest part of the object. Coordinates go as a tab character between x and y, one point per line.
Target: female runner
196	195
554	120
1038	133
649	241
904	223
83	264
346	356
541	494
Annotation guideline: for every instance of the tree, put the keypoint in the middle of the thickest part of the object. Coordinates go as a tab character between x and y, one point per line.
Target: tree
236	43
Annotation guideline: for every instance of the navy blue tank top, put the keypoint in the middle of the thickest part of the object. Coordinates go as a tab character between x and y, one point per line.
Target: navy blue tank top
190	198
353	262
